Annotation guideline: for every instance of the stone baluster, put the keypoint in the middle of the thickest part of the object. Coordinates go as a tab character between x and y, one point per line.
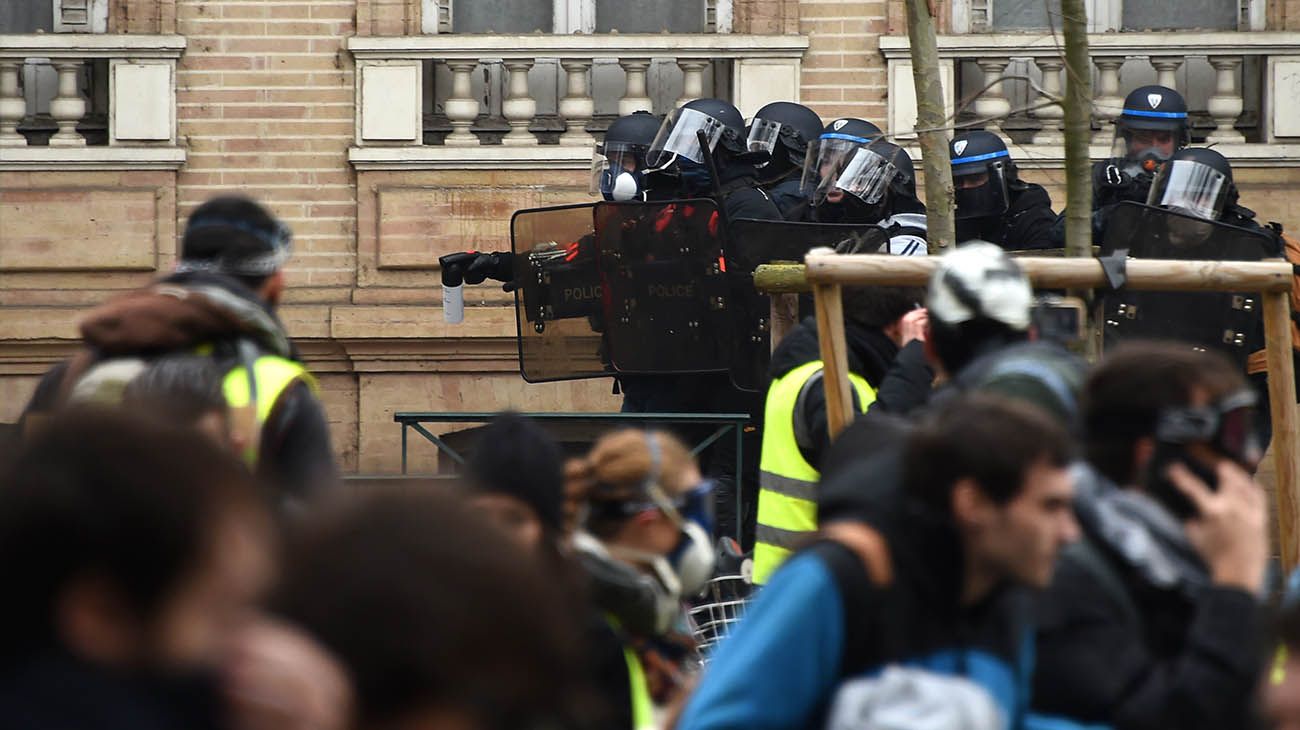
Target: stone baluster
519	107
635	97
461	107
692	78
992	106
1053	114
1226	103
577	106
1166	70
12	105
1109	103
68	107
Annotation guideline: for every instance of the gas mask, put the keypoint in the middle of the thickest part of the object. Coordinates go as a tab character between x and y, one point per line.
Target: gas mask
623	186
686	570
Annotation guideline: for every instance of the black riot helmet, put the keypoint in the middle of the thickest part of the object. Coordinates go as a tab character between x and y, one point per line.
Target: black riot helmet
1152	126
982	171
784	129
1196	180
828	159
677	139
619	162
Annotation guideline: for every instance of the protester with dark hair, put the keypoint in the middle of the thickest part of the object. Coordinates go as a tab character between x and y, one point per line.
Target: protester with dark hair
879	322
516	477
132	555
220	303
1153	620
439	618
909	604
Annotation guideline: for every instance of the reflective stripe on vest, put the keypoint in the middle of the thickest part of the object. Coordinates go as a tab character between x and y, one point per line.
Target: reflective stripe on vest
643	714
274	375
787	496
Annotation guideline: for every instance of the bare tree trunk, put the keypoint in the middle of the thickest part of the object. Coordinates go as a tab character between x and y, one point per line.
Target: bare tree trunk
930	123
1078	130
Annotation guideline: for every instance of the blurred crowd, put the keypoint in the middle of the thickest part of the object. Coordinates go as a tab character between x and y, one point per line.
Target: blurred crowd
1003	538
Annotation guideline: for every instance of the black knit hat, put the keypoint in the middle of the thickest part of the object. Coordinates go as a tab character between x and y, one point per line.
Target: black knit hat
517	458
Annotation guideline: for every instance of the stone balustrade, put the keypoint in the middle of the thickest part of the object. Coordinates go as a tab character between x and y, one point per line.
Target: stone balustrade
1223	75
140	74
395	74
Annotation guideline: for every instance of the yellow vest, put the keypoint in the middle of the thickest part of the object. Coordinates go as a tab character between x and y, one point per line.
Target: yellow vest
273	375
787	496
643	707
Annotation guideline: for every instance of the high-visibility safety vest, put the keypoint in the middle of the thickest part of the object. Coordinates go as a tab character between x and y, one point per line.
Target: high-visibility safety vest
643	706
273	375
787	495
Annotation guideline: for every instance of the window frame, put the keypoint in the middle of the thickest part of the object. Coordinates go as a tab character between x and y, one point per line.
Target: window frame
569	16
1104	16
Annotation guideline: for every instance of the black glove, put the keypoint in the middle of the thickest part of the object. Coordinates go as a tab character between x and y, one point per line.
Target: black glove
1114	178
473	268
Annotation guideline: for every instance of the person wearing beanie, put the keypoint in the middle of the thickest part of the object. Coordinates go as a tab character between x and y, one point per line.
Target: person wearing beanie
220	302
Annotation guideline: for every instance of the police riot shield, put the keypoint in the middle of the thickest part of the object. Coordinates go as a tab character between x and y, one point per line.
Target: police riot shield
558	300
1228	322
665	294
751	243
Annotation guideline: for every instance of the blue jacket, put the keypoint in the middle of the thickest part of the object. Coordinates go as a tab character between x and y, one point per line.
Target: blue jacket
796	646
823	620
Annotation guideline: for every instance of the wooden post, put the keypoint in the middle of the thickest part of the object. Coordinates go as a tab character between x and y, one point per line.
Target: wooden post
829	300
827	271
1286	435
784	317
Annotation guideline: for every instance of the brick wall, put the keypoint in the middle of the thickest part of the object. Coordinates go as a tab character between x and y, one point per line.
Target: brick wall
843	72
265	105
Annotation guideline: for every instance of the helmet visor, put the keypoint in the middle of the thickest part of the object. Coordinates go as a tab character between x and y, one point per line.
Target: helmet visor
981	194
679	137
867	175
763	135
1191	186
825	162
1150	144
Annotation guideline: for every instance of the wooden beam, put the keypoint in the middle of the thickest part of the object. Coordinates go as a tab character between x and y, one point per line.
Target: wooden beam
835	356
1060	273
1286	435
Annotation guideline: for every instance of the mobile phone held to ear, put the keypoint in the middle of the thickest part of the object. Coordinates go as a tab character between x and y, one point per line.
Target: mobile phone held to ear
1166	492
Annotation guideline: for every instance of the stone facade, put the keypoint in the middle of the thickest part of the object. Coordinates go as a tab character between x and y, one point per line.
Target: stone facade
266	106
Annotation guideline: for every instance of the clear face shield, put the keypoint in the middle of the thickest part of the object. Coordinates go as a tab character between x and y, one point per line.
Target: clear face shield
763	136
678	137
827	160
867	176
616	171
1192	187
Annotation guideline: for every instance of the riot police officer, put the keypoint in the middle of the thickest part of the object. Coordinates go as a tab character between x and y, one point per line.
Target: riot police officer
618	167
1198	181
676	154
1150	129
854	176
784	130
993	203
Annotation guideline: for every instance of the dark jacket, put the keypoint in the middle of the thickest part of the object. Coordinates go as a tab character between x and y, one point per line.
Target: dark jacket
741	196
789	195
55	691
826	622
871	354
1027	223
295	452
1133	632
